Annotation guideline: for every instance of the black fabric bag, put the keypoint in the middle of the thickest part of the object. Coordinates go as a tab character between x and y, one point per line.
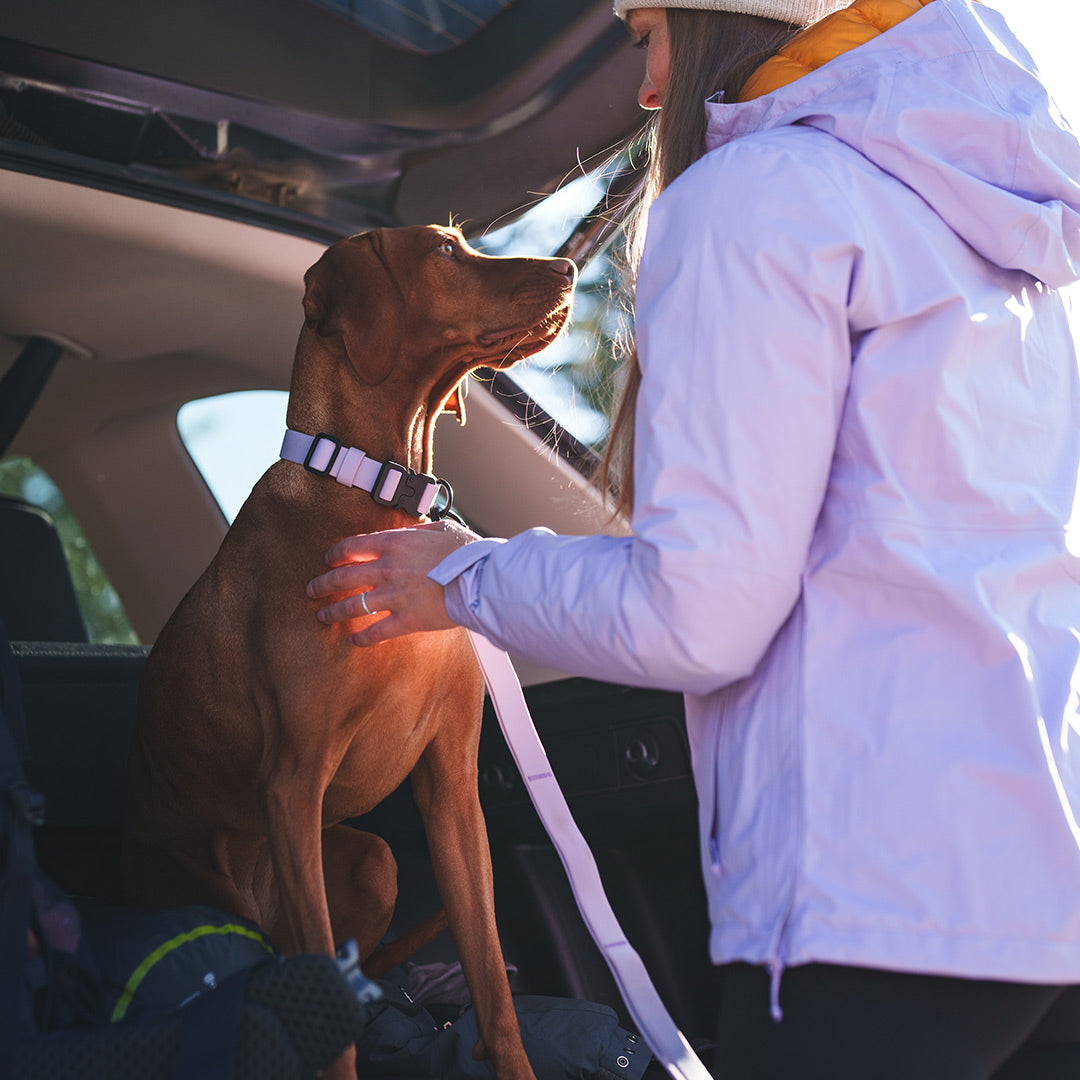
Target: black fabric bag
265	1018
564	1038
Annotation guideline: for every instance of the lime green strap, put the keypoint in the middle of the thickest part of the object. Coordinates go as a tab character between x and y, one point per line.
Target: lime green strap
167	947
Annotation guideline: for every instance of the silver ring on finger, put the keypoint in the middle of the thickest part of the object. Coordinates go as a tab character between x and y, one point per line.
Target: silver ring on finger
363	604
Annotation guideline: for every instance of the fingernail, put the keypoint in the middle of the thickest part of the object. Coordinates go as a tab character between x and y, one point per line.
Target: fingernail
322	615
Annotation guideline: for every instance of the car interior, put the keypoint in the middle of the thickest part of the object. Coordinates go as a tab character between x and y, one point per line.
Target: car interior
167	174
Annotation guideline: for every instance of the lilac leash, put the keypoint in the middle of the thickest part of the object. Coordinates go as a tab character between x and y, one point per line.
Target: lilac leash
666	1041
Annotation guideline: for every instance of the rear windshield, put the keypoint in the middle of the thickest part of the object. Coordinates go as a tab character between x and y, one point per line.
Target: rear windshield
420	26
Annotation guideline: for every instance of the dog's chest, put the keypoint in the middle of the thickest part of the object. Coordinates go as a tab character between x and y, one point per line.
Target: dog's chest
371	769
438	715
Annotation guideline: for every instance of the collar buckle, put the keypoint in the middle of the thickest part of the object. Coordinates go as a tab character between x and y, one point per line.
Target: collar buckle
410	489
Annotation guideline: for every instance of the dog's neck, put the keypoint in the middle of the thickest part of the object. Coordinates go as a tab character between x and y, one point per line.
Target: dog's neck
388	434
386	421
375	438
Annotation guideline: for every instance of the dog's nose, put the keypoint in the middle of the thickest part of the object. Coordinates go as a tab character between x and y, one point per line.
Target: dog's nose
564	267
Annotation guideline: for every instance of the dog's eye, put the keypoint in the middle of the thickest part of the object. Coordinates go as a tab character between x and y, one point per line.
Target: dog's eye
448	247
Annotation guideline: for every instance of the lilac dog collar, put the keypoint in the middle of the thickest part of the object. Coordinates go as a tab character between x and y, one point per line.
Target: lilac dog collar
388	483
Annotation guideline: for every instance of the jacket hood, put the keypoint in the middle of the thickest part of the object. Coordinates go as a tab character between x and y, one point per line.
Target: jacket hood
941	95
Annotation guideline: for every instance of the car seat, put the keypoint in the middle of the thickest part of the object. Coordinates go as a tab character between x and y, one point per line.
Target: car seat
37	597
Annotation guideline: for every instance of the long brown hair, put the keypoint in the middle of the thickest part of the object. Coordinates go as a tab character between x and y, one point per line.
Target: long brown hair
711	52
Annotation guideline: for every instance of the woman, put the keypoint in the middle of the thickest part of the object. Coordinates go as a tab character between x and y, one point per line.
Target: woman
855	459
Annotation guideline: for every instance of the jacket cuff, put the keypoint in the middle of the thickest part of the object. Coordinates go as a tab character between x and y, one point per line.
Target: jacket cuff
459	574
459	561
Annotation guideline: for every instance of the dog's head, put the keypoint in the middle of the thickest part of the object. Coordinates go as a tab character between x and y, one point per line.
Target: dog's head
420	304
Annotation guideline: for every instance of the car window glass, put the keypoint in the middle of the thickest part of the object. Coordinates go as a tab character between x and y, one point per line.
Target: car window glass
574	380
102	611
422	26
233	439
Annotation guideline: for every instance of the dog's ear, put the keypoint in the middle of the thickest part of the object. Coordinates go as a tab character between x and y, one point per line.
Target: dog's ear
455	403
317	306
346	295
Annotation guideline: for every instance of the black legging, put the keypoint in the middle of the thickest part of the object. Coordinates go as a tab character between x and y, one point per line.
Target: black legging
846	1023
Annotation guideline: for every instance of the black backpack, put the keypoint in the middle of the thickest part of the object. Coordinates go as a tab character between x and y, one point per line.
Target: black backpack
282	1018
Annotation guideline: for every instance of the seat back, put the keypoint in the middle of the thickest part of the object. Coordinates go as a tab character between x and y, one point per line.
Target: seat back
37	597
80	702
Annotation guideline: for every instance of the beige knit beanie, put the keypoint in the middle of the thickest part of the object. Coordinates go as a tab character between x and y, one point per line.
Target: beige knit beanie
799	12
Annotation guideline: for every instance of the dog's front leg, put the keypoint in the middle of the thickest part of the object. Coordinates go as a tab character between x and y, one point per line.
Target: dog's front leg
293	805
445	789
301	921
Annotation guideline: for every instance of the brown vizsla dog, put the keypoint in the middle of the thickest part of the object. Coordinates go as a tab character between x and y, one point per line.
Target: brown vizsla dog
261	730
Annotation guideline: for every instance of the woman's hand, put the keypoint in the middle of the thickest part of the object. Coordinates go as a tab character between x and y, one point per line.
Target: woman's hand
387	572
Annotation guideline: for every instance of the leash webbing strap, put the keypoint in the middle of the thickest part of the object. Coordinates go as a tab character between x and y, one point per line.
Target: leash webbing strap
666	1041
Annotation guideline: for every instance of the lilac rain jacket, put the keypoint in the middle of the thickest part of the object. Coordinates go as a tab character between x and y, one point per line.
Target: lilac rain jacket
858	437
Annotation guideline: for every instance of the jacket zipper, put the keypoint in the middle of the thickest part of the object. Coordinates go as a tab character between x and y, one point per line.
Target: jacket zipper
777	948
776	963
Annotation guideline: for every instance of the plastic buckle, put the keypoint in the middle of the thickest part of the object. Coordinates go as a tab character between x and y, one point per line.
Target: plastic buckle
311	451
348	962
28	802
411	489
408	493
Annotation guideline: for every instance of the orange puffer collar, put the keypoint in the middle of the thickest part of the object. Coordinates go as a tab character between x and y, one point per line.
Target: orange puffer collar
833	36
